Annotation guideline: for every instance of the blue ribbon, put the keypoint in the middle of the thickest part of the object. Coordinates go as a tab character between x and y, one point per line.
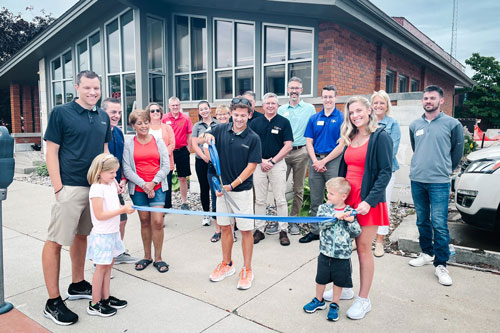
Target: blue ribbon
289	219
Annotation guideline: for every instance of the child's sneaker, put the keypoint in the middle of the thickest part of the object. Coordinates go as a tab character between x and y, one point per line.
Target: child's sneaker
246	278
80	290
115	302
314	305
100	309
222	271
333	313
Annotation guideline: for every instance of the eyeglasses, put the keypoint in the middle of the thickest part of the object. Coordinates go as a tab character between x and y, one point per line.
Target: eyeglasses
155	110
242	101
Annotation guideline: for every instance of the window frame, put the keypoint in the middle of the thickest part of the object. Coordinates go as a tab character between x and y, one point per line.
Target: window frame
390	72
402	77
233	68
412	80
63	79
287	62
86	39
190	72
164	72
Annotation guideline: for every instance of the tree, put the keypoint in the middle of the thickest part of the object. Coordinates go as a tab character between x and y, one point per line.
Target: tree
15	32
483	101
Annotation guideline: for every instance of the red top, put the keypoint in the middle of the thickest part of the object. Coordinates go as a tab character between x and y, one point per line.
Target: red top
355	159
147	161
182	126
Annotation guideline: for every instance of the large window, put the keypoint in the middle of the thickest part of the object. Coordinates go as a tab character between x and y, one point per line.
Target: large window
89	54
120	61
287	52
190	64
390	77
234	54
415	85
156	67
403	83
61	69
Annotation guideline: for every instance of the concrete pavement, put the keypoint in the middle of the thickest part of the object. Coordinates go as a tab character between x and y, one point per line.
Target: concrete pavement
403	298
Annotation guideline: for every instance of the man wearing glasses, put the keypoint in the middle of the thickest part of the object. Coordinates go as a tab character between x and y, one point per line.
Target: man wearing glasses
322	133
239	150
298	113
182	126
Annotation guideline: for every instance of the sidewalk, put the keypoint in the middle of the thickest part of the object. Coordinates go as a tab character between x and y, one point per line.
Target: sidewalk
403	298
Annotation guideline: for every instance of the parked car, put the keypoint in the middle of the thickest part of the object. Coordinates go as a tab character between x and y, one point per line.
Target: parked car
477	194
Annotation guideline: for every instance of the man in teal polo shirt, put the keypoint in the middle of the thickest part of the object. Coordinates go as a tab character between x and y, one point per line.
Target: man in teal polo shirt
298	113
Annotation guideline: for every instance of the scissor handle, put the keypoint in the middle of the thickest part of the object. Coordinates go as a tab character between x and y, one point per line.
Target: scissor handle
353	213
214	157
216	184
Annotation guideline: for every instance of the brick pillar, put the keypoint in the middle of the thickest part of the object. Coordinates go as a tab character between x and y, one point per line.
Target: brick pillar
379	76
36	102
27	109
15	108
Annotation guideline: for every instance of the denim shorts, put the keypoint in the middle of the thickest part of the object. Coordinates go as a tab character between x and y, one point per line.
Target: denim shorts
141	199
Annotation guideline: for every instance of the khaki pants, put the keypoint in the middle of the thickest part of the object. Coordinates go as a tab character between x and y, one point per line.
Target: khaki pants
276	177
297	161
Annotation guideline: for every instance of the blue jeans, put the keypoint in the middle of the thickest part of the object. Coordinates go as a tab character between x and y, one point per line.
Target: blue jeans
431	205
210	174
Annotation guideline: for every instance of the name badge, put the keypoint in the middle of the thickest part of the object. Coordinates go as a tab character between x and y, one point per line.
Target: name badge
168	122
320	123
274	131
419	132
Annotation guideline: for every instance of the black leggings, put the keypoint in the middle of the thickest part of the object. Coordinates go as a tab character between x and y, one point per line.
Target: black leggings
201	171
168	193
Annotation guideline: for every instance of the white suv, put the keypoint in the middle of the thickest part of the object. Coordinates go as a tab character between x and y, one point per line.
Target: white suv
477	195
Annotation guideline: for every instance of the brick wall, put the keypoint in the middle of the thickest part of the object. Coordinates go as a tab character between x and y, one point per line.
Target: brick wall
27	98
15	108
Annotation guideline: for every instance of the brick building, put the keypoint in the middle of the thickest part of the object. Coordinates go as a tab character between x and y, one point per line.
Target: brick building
149	50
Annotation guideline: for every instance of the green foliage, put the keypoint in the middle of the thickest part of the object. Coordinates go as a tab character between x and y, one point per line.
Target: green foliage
483	101
175	182
469	145
41	170
306	203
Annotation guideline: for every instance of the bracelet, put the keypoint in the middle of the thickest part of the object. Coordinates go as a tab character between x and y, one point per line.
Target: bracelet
231	187
59	190
241	182
272	162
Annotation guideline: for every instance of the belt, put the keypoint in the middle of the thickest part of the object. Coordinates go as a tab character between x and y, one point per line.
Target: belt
321	155
298	147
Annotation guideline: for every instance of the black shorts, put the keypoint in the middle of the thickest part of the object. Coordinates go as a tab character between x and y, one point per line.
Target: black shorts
123	217
334	270
181	160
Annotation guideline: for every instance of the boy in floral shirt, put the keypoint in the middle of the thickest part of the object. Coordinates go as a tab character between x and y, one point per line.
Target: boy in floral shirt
334	261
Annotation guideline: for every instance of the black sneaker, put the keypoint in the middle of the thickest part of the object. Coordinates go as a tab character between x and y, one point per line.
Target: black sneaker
115	302
80	290
59	312
100	309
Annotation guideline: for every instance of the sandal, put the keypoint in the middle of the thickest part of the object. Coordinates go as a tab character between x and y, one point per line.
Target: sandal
143	264
160	265
216	237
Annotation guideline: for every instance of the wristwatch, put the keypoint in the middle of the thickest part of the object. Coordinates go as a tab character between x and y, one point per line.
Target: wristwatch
272	162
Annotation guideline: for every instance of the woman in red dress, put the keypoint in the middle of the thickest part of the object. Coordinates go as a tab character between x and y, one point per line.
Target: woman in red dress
367	165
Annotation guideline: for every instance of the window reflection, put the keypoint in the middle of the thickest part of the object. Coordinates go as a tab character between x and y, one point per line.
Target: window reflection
300	44
274	79
128	50
223	44
275	44
224	84
113	47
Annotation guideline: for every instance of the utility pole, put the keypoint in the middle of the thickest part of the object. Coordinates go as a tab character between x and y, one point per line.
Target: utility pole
454	24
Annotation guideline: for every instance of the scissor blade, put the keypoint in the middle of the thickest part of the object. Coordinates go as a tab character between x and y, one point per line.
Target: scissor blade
229	199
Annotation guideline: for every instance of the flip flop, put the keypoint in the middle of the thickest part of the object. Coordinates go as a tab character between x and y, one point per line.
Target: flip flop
144	263
159	265
215	238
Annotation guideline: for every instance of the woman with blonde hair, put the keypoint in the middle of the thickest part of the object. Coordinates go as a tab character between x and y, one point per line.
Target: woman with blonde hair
165	132
381	105
366	164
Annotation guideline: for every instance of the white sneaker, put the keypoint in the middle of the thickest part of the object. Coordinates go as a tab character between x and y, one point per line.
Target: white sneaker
206	221
347	293
421	260
443	275
359	308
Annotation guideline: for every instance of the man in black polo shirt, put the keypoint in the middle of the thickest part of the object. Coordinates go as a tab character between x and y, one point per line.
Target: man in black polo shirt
276	137
239	153
77	132
250	95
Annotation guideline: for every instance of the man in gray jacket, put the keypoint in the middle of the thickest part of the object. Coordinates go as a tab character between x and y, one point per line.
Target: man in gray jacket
438	143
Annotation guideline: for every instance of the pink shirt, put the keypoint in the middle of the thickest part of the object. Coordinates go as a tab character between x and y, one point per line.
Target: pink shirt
182	126
110	201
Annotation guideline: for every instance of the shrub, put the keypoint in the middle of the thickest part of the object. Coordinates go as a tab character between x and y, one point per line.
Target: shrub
41	170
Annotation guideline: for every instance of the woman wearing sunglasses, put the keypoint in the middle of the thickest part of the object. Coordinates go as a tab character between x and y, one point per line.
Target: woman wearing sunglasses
164	131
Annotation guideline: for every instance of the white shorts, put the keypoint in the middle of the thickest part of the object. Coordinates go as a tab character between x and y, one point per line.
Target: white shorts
244	200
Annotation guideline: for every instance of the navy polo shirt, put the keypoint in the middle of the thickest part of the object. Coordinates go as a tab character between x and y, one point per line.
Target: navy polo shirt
235	152
272	133
115	146
81	135
325	131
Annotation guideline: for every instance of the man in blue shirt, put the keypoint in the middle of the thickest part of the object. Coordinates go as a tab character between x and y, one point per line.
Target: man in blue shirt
322	135
298	113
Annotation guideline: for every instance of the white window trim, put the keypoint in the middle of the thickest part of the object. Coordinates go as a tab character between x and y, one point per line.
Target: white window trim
286	62
163	72
63	80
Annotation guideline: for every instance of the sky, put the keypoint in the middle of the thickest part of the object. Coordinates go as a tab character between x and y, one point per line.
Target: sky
478	28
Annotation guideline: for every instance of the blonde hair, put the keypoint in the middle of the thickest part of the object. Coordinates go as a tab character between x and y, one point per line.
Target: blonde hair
348	130
222	107
382	94
339	184
102	162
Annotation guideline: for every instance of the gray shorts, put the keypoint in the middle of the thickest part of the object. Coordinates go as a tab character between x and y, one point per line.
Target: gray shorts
70	215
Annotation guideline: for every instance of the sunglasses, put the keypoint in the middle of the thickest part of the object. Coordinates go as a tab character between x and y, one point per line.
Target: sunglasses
242	101
155	110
